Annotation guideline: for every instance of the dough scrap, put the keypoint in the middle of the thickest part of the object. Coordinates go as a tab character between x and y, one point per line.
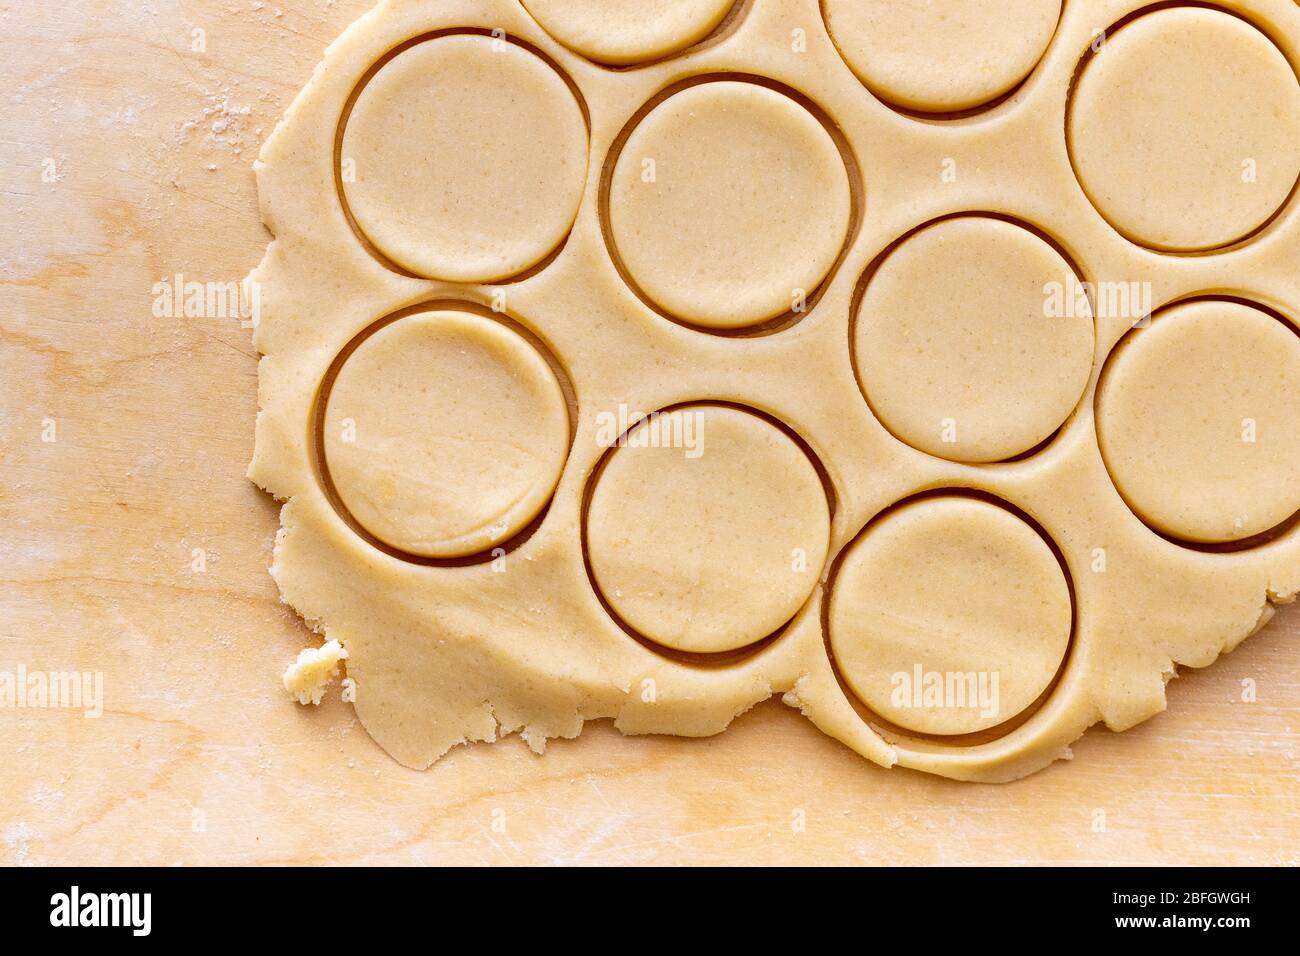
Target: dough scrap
486	324
308	676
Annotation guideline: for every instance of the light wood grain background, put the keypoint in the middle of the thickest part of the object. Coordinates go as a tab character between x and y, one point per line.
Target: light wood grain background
199	756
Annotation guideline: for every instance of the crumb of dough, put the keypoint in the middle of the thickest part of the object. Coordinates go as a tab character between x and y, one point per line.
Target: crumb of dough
307	677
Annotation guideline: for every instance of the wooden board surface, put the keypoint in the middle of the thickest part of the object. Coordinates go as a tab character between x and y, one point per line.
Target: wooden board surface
127	158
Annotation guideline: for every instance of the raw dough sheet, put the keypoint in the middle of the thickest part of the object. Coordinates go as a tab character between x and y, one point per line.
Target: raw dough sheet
933	367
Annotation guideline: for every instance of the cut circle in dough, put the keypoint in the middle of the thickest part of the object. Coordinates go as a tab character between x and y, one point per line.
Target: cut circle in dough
1183	129
444	433
729	204
941	55
1198	417
622	32
463	160
958	347
949	615
707	528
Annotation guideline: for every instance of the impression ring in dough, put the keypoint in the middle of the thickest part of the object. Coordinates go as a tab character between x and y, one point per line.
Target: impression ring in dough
444	433
729	204
941	55
404	168
623	32
1198	417
957	347
1183	129
949	615
711	545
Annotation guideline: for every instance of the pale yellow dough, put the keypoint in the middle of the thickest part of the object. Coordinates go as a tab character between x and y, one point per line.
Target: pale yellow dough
621	32
1184	128
712	545
311	672
444	433
729	204
1199	420
941	55
655	391
404	170
957	348
907	608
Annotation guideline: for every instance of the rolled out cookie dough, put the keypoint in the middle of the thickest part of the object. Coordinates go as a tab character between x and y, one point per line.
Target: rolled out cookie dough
906	619
729	203
955	351
1190	398
930	367
941	55
1183	128
712	545
622	32
403	154
444	433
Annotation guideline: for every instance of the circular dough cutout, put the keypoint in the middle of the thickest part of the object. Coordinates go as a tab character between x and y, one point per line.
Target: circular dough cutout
961	352
707	529
1183	129
445	434
621	32
949	616
1198	417
728	202
941	55
463	162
